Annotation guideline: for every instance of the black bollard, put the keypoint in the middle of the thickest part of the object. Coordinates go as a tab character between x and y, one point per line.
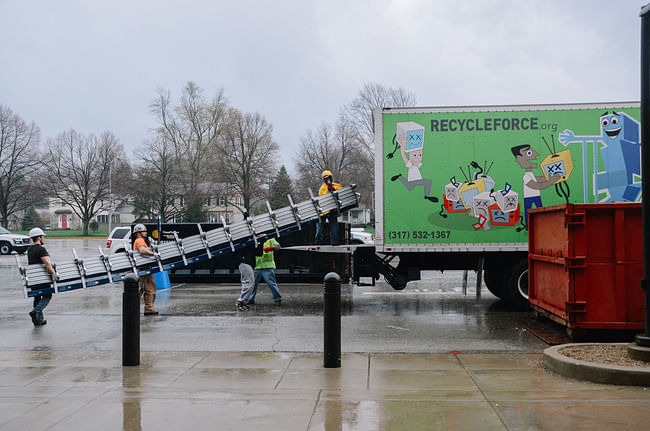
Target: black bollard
332	321
131	321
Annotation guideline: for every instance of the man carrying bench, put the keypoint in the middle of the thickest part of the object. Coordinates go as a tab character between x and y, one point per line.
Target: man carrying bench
147	282
37	254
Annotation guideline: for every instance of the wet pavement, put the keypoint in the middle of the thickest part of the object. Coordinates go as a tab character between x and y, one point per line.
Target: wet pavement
423	358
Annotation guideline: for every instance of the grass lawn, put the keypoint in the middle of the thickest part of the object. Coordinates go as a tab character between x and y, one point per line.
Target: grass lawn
67	233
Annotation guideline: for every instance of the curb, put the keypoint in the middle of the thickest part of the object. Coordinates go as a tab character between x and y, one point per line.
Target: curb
598	373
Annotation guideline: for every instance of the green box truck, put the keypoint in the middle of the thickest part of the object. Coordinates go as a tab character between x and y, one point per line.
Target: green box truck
454	185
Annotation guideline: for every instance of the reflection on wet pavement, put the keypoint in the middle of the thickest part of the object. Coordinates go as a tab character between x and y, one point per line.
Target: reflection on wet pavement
426	357
291	391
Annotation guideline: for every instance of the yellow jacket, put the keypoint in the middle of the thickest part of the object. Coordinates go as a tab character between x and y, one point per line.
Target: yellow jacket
324	190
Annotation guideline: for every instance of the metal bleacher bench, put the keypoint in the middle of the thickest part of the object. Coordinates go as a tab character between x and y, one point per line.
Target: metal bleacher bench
82	273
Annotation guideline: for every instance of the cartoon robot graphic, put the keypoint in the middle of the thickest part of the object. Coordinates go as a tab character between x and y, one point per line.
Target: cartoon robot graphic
619	146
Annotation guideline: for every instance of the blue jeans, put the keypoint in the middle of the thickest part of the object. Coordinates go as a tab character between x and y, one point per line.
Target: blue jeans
334	228
528	204
268	275
40	302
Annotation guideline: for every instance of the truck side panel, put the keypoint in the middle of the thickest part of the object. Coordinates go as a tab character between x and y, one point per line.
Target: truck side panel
463	179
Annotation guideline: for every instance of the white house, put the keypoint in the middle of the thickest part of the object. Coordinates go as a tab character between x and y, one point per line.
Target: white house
57	215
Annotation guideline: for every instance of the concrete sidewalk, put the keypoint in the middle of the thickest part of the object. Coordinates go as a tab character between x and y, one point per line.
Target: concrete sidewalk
81	390
397	372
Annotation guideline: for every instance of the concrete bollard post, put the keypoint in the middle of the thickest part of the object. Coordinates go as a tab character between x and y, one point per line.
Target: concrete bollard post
131	321
332	321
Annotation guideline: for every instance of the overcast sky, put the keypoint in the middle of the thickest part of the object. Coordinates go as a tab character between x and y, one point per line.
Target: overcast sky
95	65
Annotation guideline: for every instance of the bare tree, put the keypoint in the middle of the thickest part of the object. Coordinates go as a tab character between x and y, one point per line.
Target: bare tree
19	160
335	149
247	154
155	185
193	128
358	113
78	171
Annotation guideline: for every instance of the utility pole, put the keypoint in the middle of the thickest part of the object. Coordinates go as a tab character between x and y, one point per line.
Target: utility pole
110	192
644	339
110	196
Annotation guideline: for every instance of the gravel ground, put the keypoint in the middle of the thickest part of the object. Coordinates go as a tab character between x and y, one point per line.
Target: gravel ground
607	354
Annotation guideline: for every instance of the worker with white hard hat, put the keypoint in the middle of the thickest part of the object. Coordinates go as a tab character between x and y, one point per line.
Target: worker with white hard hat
37	255
147	282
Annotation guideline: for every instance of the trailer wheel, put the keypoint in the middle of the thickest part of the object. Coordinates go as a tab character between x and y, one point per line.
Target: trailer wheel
494	282
516	287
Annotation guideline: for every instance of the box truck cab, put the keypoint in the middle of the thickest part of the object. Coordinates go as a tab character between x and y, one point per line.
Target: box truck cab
454	185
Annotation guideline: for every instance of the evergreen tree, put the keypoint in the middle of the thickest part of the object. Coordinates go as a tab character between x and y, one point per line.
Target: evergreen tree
280	188
31	219
195	213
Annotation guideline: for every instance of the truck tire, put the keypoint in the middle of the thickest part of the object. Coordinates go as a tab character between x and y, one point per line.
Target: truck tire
494	282
516	286
5	248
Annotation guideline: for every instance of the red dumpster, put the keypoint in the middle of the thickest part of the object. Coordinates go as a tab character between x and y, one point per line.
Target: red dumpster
585	264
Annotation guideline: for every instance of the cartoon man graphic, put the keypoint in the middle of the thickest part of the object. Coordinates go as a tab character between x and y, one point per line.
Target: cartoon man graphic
525	155
413	163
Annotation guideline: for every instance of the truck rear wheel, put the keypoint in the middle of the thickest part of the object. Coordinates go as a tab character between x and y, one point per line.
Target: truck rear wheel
516	286
494	282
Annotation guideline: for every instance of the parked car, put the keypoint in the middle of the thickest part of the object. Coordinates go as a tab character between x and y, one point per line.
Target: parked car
360	236
13	242
119	240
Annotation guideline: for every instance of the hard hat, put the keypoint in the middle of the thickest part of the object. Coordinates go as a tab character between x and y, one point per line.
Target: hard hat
326	174
37	231
139	228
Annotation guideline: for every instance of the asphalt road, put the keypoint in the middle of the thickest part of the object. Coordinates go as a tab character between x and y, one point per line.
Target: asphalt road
430	315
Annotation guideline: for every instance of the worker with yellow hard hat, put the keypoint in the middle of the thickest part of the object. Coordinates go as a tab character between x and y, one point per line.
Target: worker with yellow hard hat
328	186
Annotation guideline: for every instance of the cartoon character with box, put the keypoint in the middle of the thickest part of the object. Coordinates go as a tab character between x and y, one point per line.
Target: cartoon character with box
525	155
410	136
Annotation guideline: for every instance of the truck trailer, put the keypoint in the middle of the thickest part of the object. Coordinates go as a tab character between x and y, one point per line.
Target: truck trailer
454	185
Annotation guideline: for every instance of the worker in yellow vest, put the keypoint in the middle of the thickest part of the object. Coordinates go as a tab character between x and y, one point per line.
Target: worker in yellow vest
328	186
